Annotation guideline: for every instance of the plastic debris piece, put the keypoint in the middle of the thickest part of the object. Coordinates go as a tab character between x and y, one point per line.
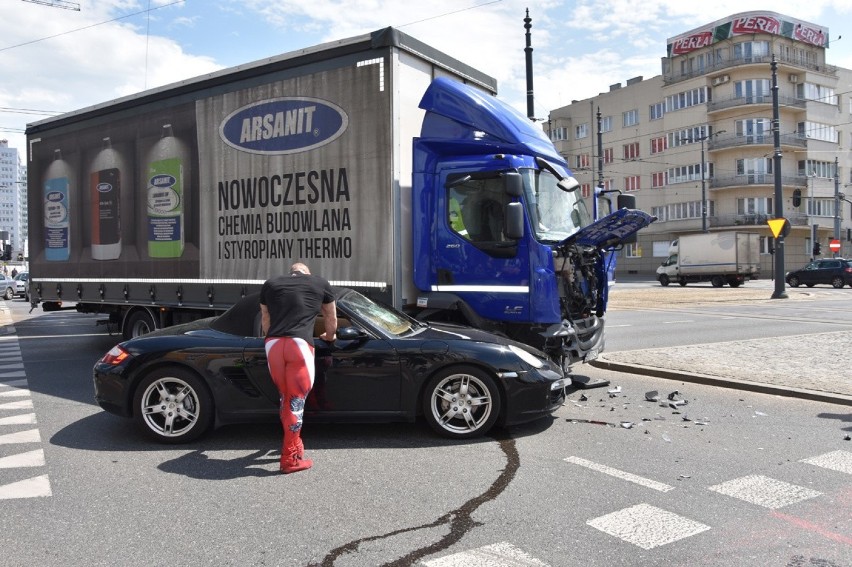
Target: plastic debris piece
759	413
627	424
685	417
583	397
702	423
666	438
848	437
652	396
616	390
674	394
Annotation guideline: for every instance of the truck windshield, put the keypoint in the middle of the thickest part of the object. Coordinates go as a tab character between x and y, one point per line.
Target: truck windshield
555	214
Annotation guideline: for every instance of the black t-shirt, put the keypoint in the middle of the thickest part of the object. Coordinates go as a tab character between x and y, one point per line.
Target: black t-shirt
294	301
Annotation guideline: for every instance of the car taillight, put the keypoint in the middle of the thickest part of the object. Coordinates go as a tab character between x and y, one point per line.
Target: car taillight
848	269
115	356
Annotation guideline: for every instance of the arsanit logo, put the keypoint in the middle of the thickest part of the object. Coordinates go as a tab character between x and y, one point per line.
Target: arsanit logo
283	125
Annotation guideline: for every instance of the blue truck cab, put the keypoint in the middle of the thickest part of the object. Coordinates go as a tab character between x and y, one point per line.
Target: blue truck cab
504	240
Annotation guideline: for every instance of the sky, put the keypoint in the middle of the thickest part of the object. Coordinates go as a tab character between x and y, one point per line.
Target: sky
55	60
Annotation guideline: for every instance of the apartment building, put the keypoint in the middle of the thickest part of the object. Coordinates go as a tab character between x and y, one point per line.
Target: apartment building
695	144
13	202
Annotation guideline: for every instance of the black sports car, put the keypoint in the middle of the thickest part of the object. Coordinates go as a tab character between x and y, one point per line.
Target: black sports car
384	366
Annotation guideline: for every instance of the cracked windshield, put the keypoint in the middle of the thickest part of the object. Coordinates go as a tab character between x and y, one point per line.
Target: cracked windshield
555	214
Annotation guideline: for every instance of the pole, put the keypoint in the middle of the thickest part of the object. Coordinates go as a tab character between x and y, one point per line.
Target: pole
836	203
528	52
600	185
780	284
703	189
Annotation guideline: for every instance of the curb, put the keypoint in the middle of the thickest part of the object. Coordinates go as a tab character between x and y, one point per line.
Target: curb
732	383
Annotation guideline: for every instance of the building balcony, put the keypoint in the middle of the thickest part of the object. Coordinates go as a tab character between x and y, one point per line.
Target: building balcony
676	77
756	219
717	105
737	140
757	179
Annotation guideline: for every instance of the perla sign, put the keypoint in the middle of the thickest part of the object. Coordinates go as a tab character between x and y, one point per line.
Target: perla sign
283	125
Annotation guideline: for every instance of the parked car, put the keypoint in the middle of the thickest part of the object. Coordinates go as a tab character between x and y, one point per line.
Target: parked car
8	287
178	382
22	280
834	271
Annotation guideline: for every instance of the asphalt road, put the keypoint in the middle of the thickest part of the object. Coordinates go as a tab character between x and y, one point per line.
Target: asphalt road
731	478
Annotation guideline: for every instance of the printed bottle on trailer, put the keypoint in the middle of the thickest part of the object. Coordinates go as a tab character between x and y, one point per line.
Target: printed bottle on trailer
166	180
105	179
57	190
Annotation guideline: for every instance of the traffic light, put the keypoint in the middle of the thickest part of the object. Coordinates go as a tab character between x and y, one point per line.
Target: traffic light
797	198
816	248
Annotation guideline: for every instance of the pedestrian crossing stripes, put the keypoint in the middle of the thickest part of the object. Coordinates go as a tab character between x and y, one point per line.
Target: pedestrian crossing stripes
20	448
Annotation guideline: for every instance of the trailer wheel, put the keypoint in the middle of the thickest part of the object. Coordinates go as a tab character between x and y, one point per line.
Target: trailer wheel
717	281
138	323
664	280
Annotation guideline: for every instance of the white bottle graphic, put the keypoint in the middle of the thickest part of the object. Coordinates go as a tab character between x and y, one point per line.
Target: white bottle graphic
166	177
105	178
58	179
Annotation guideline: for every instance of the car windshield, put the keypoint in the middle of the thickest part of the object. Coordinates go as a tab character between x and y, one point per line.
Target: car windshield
555	214
380	316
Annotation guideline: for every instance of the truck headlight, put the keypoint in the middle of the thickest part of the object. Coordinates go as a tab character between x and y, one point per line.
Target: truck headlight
530	359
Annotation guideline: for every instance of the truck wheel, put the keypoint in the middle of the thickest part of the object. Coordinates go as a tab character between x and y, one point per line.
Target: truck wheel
461	402
172	405
717	281
664	280
138	323
682	282
734	283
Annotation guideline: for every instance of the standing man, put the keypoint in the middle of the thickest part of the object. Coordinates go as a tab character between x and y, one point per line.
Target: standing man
289	306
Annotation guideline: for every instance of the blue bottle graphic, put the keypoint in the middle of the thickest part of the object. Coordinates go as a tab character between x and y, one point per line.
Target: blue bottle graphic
57	190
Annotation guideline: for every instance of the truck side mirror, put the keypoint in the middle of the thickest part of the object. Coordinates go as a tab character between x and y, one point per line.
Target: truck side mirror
515	220
513	183
626	201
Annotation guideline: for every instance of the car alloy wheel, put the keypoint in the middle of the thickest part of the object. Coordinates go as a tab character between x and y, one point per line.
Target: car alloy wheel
462	402
172	405
793	281
837	282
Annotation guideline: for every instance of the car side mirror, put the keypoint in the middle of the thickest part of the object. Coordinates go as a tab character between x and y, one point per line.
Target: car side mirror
351	334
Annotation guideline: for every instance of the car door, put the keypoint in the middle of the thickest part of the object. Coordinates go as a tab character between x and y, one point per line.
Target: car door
352	377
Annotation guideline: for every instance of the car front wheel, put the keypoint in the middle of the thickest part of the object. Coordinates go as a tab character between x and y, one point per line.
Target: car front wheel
172	405
793	281
461	402
9	293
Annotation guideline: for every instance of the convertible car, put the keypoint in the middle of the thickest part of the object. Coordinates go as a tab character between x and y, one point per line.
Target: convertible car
179	382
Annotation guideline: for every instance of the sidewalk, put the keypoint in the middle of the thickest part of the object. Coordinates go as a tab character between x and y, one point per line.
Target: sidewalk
797	366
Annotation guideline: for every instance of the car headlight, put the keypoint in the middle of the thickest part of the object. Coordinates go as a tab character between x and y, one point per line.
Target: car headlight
530	359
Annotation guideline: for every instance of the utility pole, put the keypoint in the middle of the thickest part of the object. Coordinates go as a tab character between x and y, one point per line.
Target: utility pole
600	186
780	284
528	52
836	203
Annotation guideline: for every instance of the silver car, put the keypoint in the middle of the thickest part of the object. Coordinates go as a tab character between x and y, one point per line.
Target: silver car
22	280
9	287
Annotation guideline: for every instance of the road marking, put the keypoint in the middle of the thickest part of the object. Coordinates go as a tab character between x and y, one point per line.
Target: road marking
29	488
630	477
675	322
765	491
16	393
840	461
12	383
24	418
33	458
498	554
28	436
647	526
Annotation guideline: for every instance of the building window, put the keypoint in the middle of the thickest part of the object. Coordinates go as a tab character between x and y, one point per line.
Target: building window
606	124
631	151
823	169
688	136
632	250
658	179
687	98
630	118
749	51
631	183
755	130
607	155
658	145
687	173
582	130
755	90
819	93
818	131
754	206
586	190
559	134
820	207
656	111
582	161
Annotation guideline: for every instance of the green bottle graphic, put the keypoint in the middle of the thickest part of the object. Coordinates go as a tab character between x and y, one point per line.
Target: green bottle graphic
165	181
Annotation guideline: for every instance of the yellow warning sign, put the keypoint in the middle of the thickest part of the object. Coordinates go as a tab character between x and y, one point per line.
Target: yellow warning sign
778	226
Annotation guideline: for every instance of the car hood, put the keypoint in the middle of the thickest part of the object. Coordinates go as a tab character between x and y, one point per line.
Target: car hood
449	332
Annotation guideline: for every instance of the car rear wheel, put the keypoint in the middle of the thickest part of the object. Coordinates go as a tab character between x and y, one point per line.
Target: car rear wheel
793	281
172	405
461	402
837	282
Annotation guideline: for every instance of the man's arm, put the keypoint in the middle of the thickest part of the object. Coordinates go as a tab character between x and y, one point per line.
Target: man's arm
329	314
264	320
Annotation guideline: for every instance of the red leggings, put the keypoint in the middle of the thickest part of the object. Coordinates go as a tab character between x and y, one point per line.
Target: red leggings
291	364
